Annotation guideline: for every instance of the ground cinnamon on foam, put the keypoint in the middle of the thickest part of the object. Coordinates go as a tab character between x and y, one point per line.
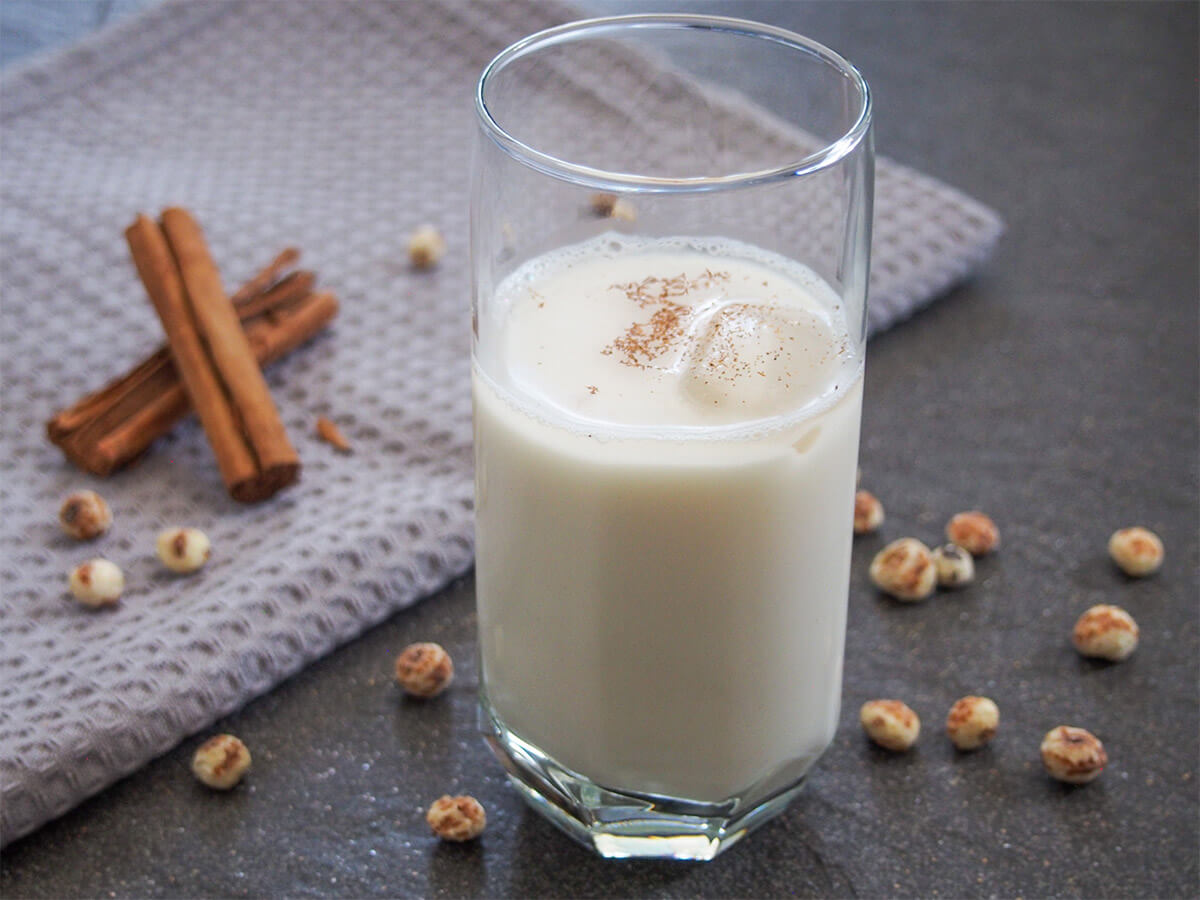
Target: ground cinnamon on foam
644	342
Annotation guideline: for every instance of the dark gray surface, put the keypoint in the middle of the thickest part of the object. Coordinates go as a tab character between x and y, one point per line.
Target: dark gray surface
1058	392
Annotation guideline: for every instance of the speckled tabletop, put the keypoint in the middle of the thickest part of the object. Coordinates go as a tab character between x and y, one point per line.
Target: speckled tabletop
1058	391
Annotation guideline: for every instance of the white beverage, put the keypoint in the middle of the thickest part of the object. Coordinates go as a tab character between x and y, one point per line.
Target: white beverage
666	435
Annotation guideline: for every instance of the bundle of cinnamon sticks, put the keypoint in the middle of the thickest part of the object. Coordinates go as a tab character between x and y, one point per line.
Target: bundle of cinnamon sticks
211	363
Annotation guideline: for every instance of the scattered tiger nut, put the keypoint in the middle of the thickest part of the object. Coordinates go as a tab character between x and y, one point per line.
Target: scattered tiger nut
610	206
955	566
456	818
97	582
1138	551
1073	755
183	549
221	762
623	211
972	722
1106	632
426	246
868	512
905	570
84	515
974	531
602	204
424	669
890	723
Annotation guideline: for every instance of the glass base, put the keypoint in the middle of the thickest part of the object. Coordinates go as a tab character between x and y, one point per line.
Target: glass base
621	824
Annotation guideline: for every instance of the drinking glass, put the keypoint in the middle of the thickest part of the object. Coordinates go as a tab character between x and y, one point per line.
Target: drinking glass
670	239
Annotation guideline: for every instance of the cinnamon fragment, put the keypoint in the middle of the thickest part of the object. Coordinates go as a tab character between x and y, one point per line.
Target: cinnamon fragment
331	434
213	356
108	429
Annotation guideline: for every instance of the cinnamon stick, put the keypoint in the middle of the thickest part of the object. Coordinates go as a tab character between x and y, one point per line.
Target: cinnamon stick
269	338
135	411
260	295
93	406
213	356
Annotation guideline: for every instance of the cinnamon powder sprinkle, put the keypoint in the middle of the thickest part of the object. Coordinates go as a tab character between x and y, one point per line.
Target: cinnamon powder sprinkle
652	290
644	342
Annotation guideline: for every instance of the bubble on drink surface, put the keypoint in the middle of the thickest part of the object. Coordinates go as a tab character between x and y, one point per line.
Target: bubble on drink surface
751	358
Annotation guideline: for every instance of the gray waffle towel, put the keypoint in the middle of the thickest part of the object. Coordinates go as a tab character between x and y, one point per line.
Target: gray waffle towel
336	127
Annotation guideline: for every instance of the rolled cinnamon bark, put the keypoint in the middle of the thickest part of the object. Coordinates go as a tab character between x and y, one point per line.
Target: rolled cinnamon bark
213	356
269	291
109	429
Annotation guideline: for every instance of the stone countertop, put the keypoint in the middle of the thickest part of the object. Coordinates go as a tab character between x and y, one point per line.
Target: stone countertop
1057	391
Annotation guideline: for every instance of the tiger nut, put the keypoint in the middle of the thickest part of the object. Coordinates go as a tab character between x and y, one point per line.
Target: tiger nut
1106	632
955	567
1138	551
610	206
972	722
183	549
84	515
456	818
97	582
905	570
602	204
868	512
974	532
426	246
1073	755
623	211
221	762
890	723
424	669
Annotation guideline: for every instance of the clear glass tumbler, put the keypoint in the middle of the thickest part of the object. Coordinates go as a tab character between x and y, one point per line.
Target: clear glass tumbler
670	237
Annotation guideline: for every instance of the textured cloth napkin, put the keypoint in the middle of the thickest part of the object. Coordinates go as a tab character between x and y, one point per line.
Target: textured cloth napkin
336	127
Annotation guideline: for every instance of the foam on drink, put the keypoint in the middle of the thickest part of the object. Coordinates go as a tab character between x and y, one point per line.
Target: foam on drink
634	335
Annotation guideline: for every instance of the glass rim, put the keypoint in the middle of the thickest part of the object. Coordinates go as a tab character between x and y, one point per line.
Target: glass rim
819	160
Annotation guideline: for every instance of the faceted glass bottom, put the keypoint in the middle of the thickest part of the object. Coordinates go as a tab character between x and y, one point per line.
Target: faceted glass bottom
620	824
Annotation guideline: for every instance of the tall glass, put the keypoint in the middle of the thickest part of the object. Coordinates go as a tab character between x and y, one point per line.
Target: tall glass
670	237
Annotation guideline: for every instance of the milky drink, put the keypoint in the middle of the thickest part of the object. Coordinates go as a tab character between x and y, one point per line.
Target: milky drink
666	436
